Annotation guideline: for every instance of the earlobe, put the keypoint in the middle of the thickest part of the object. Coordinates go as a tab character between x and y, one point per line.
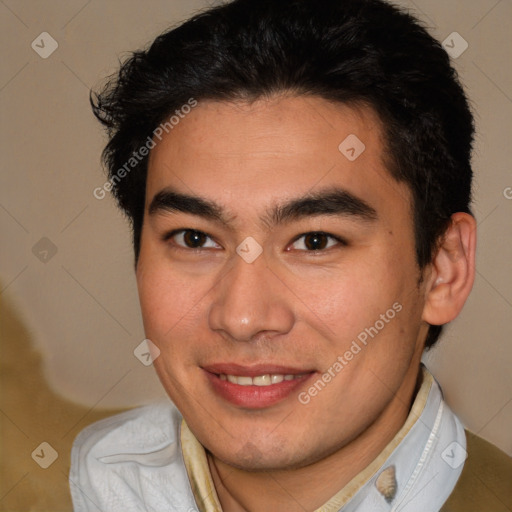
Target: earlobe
452	271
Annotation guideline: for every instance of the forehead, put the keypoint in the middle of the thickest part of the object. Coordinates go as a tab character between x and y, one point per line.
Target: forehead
273	149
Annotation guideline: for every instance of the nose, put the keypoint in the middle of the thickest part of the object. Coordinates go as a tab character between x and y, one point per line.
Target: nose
251	301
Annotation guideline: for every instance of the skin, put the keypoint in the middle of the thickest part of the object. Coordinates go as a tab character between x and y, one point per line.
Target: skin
291	306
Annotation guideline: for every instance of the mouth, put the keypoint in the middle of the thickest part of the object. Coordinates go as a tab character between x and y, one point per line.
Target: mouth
260	380
255	387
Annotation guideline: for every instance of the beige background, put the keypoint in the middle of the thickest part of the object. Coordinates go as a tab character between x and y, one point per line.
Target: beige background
70	324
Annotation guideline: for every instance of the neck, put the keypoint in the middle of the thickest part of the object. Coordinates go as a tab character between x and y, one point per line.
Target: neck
308	488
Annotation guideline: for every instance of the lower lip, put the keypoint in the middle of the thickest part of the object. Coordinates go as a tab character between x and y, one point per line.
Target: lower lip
255	397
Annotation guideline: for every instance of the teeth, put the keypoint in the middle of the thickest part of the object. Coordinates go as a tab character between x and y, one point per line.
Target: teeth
260	380
244	381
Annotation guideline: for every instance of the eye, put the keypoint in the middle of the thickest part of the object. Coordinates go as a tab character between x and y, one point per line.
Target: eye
191	239
316	241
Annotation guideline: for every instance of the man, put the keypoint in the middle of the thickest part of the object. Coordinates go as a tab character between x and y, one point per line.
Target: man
298	178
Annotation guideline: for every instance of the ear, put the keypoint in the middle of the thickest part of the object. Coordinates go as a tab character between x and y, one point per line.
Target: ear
452	271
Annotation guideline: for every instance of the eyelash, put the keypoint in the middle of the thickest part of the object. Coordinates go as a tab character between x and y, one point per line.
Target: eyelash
339	241
169	236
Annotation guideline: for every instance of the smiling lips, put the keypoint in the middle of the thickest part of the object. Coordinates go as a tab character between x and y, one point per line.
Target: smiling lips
260	380
255	387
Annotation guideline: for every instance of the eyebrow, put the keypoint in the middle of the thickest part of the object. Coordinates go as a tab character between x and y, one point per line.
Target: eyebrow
332	201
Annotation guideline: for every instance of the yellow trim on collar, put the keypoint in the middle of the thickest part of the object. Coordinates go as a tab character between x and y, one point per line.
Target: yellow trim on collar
198	471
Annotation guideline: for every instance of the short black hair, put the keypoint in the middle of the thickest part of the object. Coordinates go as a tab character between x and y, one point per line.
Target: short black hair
350	51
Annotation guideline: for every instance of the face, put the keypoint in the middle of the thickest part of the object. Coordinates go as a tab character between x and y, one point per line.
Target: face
277	277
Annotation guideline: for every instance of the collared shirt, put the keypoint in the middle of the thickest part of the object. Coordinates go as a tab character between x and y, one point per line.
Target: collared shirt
148	460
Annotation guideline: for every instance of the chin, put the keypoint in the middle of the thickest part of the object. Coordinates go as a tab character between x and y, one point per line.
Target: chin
257	457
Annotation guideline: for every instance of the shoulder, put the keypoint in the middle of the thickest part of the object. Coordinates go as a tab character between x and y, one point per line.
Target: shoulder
119	461
485	480
137	430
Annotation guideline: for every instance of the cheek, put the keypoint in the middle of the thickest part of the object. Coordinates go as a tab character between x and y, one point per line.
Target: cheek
156	303
351	297
167	308
166	299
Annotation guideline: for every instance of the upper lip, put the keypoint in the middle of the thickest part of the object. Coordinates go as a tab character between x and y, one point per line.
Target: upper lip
253	370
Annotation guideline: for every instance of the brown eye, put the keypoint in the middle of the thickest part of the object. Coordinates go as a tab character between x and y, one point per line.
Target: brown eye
192	239
315	241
